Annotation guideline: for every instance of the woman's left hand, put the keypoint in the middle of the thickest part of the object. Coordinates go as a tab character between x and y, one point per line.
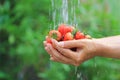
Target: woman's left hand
66	55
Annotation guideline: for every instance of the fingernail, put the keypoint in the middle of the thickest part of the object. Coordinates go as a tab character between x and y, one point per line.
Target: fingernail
51	58
46	36
44	42
50	55
46	48
61	44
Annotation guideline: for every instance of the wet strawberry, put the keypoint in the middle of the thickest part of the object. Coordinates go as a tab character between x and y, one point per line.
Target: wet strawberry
79	35
55	35
63	29
48	40
68	36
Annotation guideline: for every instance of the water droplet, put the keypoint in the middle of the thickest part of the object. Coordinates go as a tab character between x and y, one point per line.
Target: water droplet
76	68
79	76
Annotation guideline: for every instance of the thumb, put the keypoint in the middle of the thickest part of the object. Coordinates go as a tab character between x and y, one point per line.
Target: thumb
71	44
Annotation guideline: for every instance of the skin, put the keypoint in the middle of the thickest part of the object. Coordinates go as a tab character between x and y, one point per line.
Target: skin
85	49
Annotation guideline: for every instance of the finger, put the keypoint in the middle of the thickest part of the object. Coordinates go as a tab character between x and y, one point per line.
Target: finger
46	37
86	57
66	52
55	60
50	55
45	43
83	57
71	43
48	51
59	56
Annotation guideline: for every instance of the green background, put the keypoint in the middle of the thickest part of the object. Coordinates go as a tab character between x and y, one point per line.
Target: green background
24	25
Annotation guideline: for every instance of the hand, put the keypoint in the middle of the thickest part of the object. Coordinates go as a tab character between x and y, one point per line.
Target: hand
61	52
86	49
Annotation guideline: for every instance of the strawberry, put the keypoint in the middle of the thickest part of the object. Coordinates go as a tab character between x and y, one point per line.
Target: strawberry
63	29
79	35
68	36
55	35
48	40
70	29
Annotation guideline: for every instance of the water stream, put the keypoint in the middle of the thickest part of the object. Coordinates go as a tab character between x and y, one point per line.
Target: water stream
64	11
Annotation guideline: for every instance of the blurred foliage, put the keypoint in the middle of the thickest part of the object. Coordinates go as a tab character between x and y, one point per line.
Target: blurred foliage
23	26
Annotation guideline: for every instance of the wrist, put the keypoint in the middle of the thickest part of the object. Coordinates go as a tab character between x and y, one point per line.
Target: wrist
107	48
102	47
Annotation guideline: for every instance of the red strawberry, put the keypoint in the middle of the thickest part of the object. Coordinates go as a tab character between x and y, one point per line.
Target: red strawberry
69	29
55	35
63	29
48	40
79	35
68	36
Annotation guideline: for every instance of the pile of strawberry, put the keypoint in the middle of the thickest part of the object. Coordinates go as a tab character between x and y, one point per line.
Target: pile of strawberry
65	33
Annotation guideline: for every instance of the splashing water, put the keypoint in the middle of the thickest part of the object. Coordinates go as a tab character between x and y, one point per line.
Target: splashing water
65	12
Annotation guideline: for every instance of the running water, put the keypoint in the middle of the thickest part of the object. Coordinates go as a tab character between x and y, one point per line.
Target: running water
65	12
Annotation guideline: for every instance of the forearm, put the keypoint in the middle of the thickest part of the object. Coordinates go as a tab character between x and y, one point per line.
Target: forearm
109	47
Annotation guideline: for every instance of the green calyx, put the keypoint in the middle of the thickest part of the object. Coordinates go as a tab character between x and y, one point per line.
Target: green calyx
74	32
54	36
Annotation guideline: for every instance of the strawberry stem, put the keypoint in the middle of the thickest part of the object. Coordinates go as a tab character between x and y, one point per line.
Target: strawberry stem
54	36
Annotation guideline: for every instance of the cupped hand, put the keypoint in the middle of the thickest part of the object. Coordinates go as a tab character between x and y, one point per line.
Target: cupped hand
61	51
